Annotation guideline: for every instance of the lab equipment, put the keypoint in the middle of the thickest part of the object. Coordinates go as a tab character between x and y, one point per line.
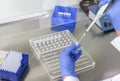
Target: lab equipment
68	57
104	22
98	15
47	48
13	66
64	18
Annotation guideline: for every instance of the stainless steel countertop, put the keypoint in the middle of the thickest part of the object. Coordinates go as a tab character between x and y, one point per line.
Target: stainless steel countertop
96	43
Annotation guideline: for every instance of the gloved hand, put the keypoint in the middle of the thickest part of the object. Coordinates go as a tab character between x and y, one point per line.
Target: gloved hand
68	57
113	13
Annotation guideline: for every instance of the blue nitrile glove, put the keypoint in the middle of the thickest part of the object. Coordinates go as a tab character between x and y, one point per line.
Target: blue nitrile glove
102	2
68	57
113	13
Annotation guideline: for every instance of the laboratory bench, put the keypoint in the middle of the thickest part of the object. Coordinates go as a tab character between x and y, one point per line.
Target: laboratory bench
16	36
96	43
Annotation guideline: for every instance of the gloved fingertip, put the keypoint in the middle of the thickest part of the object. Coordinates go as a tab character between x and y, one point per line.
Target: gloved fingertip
75	52
79	52
77	45
77	56
71	47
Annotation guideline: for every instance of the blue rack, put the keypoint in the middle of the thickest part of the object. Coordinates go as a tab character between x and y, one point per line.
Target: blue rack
11	76
64	18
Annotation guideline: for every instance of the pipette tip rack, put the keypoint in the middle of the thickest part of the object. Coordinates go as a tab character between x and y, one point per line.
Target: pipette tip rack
13	66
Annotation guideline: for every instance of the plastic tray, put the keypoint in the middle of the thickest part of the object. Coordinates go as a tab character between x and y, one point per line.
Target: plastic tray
47	48
13	66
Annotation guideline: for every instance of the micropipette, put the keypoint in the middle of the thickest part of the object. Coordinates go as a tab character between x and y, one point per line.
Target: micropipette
98	15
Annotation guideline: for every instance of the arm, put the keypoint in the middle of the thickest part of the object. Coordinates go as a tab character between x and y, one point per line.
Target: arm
68	57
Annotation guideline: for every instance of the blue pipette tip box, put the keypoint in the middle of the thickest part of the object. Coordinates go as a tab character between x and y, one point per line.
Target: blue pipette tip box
15	76
64	18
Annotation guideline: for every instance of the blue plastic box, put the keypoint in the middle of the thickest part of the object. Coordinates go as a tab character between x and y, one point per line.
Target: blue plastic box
11	76
64	18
